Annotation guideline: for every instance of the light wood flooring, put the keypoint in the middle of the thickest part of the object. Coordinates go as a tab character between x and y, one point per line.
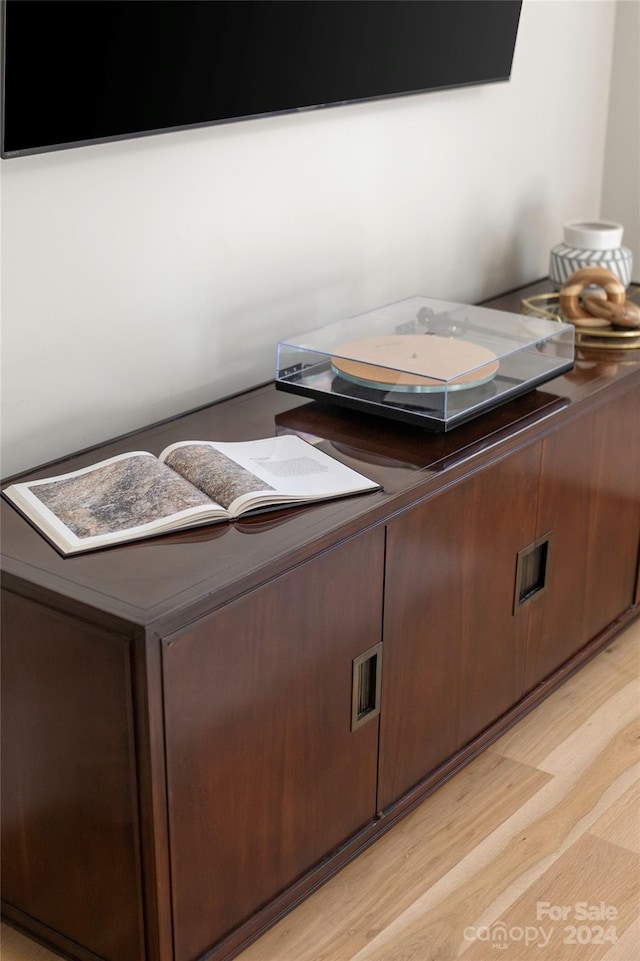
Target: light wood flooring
531	852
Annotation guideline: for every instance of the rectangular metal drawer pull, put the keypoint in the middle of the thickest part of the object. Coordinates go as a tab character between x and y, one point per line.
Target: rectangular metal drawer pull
531	571
366	686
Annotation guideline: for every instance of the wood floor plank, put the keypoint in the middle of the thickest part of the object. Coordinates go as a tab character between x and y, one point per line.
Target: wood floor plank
575	911
621	823
593	734
626	947
523	847
572	705
15	947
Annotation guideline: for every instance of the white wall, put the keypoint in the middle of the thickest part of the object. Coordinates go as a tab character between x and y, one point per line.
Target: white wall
144	278
621	181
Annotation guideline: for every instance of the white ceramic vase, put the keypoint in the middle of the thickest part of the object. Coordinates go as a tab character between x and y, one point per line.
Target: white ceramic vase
590	244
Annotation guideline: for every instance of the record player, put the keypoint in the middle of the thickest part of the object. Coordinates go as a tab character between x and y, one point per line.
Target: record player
425	361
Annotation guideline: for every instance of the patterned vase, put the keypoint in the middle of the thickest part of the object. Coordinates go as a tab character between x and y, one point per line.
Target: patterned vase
590	244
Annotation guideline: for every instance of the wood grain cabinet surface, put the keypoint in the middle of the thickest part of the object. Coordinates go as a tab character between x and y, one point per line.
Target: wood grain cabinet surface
70	847
265	775
461	645
454	652
589	499
199	729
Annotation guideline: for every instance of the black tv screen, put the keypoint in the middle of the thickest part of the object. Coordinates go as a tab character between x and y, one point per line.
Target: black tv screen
88	71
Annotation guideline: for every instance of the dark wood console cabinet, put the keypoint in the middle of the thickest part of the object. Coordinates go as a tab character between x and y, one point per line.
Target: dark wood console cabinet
186	751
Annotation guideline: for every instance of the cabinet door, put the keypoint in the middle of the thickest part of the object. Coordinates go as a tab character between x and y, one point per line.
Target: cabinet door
590	501
454	651
265	775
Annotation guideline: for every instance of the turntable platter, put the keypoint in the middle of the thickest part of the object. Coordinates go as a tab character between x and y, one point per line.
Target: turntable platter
417	363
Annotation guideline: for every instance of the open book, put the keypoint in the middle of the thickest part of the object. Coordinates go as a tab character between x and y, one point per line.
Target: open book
191	483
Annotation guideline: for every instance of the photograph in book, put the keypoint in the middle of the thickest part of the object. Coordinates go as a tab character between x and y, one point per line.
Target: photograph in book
119	495
192	483
220	477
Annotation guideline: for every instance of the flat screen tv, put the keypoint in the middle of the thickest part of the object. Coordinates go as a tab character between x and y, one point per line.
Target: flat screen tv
81	72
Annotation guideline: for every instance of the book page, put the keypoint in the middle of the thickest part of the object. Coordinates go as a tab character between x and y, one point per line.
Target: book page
260	472
297	469
220	477
125	492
